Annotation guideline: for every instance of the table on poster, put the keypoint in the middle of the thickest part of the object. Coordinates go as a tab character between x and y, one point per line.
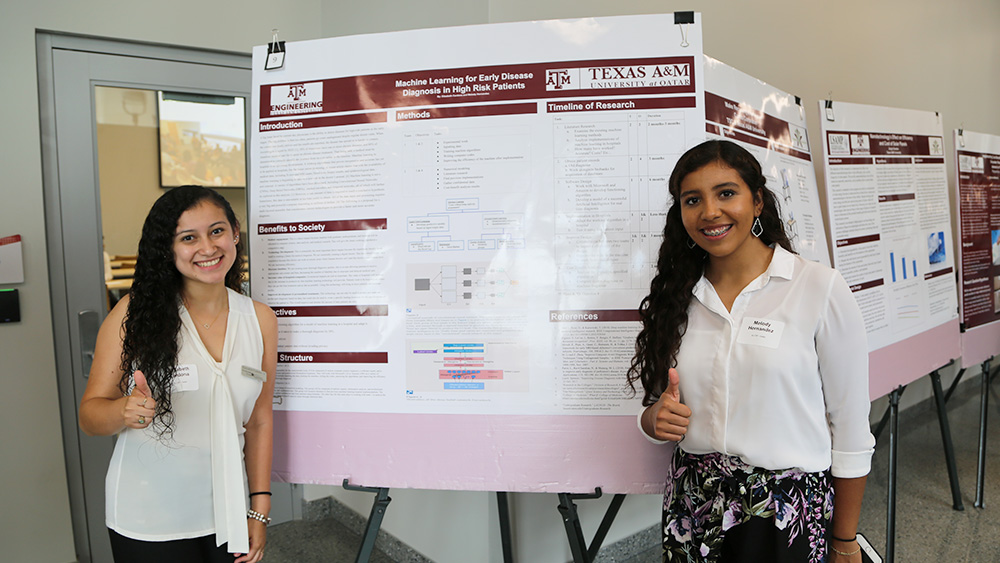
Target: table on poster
455	228
890	227
771	124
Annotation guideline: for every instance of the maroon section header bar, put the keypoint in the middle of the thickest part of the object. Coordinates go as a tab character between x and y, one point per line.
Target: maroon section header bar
893	160
849	160
466	111
332	121
594	316
937	273
308	227
331	311
620	104
333	357
896	197
857	240
867	285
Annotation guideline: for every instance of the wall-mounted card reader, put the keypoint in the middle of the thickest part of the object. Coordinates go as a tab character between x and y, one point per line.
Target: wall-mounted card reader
10	306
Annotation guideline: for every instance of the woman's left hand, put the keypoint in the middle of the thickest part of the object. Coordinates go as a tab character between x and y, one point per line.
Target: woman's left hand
838	547
258	537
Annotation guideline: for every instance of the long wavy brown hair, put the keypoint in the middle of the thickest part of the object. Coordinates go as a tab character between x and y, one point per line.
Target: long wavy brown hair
153	319
664	312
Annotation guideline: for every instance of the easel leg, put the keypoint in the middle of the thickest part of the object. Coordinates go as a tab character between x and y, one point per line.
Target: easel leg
983	404
574	532
505	538
382	501
949	446
890	522
602	530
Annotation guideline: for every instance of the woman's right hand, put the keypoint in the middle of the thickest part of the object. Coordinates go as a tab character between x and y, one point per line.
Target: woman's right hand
668	418
139	407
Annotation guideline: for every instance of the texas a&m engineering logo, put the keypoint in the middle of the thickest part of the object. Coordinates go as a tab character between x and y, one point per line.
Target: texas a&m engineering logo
304	97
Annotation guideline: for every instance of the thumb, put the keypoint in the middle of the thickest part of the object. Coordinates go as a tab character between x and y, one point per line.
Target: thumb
673	385
140	384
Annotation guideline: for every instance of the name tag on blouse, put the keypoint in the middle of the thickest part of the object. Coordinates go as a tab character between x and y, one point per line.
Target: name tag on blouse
186	378
257	374
760	332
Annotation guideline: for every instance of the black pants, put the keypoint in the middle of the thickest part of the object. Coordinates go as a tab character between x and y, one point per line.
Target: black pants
194	550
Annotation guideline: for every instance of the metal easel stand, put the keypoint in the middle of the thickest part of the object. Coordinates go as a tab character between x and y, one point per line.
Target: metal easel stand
949	446
890	517
382	501
983	404
505	537
574	532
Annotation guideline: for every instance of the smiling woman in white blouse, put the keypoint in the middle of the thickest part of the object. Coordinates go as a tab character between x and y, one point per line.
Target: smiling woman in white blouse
183	374
754	361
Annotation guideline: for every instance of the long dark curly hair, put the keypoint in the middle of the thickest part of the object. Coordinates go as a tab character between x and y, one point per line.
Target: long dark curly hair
152	321
664	312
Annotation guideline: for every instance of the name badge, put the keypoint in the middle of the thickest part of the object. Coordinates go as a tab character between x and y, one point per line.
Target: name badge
186	378
760	332
257	374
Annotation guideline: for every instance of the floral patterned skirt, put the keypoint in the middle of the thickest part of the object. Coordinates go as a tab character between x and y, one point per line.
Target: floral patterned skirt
707	495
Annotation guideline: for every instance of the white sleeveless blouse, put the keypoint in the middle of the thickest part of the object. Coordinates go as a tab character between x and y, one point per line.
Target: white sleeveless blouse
194	484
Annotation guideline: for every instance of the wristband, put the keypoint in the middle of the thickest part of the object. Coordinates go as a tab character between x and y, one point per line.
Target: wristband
268	493
834	537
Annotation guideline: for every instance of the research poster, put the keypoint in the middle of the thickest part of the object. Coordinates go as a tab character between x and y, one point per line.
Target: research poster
890	221
978	194
464	220
771	124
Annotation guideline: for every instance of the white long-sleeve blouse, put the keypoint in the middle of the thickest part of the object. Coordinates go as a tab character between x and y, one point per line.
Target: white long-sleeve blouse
781	381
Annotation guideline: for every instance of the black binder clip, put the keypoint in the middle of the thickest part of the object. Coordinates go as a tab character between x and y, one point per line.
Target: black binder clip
961	136
829	108
275	52
684	19
802	111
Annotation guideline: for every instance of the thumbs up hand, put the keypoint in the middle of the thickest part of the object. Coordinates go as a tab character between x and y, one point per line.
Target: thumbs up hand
668	418
140	406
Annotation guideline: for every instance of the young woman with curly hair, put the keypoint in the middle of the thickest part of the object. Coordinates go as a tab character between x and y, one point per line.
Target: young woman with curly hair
754	361
183	374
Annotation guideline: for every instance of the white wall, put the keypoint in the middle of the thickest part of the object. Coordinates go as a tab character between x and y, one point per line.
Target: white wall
36	524
920	54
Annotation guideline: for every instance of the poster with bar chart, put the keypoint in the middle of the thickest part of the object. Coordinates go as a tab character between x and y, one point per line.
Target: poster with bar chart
890	228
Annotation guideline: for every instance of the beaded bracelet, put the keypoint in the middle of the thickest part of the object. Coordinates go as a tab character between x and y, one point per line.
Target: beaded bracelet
258	516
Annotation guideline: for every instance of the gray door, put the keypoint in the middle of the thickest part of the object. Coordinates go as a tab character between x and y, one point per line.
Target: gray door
69	69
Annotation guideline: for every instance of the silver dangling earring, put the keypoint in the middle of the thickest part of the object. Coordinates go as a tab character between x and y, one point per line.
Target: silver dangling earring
691	243
756	229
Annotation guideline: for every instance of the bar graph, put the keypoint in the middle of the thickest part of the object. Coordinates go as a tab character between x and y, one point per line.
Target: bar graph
904	269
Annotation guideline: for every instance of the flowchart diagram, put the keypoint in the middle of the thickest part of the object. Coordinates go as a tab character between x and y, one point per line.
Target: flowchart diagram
460	285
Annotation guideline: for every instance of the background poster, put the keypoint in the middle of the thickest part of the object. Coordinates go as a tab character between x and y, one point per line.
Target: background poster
978	202
456	227
890	227
771	124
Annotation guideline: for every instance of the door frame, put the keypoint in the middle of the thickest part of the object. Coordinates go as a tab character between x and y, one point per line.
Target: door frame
66	333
